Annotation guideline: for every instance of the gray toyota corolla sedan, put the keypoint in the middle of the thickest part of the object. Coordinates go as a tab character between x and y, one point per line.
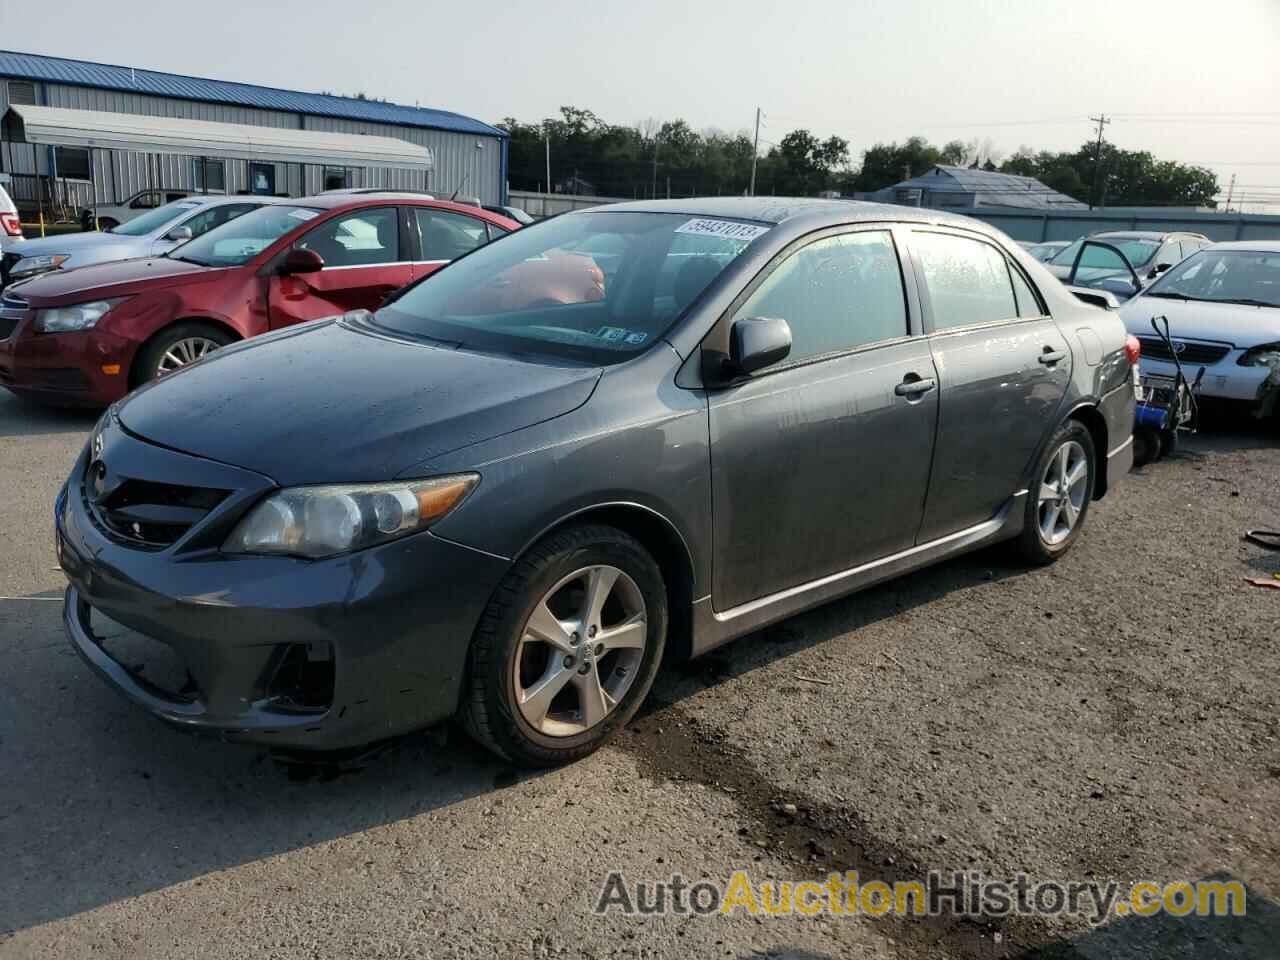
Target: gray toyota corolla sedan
624	433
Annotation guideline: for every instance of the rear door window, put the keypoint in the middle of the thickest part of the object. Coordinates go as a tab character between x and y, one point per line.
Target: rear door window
1028	305
443	235
967	280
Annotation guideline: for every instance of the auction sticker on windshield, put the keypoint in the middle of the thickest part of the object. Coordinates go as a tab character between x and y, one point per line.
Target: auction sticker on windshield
722	228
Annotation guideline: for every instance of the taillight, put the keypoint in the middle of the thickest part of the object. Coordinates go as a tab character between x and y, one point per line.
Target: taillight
10	224
1132	349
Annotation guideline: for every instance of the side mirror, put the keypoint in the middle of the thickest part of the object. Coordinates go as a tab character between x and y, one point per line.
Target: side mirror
758	342
179	234
301	261
1161	268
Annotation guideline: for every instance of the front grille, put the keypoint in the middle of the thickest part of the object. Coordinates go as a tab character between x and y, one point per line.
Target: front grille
12	309
1198	354
151	515
7	263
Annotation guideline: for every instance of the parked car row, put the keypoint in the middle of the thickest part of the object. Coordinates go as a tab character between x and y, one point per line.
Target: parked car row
235	267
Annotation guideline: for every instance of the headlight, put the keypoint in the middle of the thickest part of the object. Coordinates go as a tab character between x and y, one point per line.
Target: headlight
33	265
318	522
81	316
1267	355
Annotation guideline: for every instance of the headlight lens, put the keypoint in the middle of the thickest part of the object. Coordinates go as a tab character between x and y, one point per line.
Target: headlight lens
316	522
81	316
33	265
1267	355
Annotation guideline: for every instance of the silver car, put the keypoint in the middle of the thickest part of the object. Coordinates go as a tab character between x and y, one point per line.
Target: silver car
1223	308
149	235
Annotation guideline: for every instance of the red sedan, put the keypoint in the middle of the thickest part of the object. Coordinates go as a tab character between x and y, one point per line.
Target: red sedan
88	336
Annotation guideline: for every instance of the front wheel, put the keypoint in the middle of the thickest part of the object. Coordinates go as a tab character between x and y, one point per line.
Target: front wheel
1060	494
179	346
568	647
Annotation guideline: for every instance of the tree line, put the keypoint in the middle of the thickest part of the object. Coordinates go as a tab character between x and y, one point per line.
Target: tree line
670	158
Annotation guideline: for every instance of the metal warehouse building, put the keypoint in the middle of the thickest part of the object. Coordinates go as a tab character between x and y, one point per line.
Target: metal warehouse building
76	125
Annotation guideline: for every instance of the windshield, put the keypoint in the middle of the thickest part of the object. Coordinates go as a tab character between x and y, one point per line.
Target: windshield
154	219
593	286
1226	276
240	240
1137	252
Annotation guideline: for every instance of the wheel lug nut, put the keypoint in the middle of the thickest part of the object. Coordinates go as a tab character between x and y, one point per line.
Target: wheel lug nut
599	649
574	638
591	632
568	662
582	669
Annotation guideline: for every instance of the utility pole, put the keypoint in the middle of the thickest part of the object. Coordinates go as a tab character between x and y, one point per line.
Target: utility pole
1101	120
755	152
546	133
653	185
1230	190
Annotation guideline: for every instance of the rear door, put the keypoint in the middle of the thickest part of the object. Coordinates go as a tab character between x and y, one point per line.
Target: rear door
1003	367
821	462
363	263
443	235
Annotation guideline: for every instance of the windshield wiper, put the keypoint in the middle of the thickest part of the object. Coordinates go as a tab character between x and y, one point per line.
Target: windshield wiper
1249	302
198	263
1173	295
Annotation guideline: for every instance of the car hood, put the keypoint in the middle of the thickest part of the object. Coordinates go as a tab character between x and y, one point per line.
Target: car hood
333	401
71	243
1234	323
87	283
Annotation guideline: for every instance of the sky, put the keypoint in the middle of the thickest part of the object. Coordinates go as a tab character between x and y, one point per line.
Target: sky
1188	80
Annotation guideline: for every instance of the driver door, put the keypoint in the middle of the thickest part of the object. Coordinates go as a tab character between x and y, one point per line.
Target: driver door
363	263
821	462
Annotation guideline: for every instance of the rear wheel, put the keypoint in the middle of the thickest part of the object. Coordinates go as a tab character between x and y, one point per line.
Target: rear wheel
568	647
1060	495
179	346
1147	447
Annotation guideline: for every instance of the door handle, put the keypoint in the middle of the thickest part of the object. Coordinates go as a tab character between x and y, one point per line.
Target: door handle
1051	356
914	388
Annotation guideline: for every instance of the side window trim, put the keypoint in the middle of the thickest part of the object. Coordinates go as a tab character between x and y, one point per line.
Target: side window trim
1014	269
926	301
906	278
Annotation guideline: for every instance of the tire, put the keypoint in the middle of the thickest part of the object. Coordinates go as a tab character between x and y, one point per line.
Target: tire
1168	443
154	359
509	662
1034	544
1147	447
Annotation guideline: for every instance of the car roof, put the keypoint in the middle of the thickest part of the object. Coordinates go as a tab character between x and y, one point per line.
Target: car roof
1256	246
780	210
354	201
1146	234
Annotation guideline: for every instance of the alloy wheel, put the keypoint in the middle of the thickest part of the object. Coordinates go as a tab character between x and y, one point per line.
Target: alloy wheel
1062	492
580	651
185	351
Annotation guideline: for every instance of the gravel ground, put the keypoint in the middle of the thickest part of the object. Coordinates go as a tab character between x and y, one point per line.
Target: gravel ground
1111	718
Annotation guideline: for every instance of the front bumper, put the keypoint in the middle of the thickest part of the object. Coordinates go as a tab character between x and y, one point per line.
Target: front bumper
65	368
1224	380
394	622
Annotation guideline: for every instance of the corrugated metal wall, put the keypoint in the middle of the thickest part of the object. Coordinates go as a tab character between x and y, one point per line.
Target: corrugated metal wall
120	174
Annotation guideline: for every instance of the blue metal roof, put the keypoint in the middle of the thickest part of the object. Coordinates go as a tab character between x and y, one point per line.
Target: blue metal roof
30	66
990	187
